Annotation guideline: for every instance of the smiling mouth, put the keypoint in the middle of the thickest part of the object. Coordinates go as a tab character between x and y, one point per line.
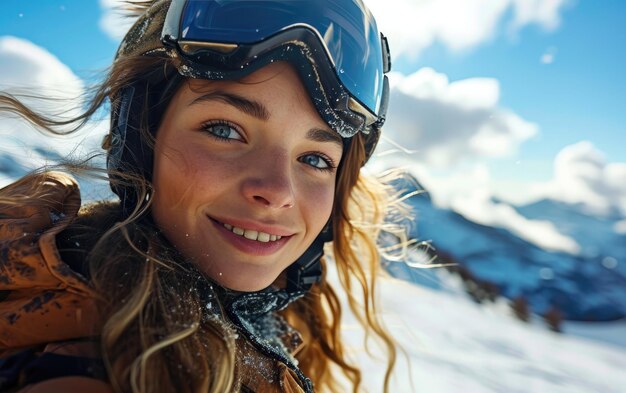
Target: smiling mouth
251	234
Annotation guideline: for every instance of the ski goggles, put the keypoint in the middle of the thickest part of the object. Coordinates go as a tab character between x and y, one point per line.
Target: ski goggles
334	45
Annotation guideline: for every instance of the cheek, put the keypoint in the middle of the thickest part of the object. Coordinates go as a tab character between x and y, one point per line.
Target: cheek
186	175
173	179
318	203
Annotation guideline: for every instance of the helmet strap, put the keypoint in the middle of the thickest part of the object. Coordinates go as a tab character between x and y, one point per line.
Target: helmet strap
307	270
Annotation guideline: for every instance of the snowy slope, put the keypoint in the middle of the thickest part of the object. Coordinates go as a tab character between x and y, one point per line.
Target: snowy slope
455	346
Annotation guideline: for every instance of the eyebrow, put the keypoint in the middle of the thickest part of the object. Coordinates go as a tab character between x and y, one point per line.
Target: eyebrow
249	107
259	111
324	135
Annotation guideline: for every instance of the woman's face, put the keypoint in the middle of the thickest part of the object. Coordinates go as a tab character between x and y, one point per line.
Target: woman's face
244	175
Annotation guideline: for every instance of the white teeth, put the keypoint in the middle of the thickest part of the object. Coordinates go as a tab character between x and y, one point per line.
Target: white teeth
252	235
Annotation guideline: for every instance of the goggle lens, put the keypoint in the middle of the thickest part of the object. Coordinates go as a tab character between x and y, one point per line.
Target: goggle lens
346	27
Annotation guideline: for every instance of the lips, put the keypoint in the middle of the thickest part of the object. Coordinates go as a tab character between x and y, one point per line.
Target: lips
257	241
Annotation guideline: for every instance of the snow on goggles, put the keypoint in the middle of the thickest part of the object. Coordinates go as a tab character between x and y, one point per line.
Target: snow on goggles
333	44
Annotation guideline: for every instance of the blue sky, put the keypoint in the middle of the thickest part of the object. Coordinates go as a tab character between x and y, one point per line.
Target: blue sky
68	29
579	95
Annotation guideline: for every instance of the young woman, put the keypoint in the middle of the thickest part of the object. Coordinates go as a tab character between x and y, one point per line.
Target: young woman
238	130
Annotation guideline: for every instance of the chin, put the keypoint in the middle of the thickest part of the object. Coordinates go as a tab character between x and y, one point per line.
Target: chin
254	279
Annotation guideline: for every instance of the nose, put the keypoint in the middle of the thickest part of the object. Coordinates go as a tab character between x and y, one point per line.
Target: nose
269	182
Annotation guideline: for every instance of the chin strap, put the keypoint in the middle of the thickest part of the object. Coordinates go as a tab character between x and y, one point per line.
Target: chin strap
307	270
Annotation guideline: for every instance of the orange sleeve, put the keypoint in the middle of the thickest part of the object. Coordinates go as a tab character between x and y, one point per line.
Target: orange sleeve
44	299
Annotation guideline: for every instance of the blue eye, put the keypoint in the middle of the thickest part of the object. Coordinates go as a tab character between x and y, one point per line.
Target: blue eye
222	130
317	161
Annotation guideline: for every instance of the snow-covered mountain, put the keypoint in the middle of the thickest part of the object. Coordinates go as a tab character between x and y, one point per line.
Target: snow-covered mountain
596	234
589	286
28	149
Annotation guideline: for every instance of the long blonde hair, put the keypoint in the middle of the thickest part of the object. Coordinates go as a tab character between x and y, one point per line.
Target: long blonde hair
155	335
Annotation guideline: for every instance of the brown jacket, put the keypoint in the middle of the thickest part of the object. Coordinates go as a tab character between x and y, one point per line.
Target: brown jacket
42	300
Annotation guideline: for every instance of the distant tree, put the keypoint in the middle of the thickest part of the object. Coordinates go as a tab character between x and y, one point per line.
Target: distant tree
553	318
479	290
520	308
474	290
492	291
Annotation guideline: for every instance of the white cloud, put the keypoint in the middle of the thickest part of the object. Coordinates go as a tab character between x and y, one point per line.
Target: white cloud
446	187
459	25
446	122
27	69
542	12
114	21
582	176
